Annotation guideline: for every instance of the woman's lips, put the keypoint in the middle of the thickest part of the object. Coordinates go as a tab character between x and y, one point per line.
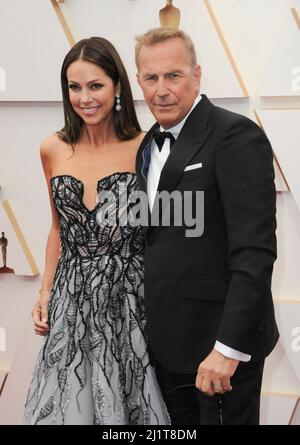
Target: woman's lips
90	110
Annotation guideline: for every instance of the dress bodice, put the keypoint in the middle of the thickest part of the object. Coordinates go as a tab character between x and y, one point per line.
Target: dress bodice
105	229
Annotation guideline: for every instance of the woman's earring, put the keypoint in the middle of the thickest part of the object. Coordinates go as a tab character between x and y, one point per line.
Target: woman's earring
118	106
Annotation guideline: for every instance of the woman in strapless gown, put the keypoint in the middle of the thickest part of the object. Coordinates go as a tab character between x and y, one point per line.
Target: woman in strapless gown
93	367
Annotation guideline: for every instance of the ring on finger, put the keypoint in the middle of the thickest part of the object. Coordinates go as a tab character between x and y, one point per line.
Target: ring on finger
217	387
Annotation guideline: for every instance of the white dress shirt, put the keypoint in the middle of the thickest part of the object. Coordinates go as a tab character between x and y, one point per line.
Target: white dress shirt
157	161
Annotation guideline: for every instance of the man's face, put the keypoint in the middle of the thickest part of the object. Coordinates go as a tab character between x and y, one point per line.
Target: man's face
169	81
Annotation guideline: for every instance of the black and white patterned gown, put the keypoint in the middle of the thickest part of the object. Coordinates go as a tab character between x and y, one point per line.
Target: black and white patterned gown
94	366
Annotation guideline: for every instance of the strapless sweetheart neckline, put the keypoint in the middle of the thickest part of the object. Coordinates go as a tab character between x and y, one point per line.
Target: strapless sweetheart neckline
97	184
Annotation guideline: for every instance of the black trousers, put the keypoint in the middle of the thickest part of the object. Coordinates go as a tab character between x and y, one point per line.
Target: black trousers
189	406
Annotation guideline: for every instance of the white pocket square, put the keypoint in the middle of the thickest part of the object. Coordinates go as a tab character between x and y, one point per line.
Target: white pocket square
193	167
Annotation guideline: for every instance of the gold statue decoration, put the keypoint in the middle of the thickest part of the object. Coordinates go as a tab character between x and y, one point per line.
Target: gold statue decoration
169	16
3	245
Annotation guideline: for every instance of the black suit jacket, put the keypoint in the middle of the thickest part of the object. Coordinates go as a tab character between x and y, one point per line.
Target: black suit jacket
216	286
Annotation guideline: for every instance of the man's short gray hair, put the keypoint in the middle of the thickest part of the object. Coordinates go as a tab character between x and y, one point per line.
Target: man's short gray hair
160	35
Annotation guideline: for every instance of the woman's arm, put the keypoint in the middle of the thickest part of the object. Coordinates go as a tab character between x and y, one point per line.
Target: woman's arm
40	310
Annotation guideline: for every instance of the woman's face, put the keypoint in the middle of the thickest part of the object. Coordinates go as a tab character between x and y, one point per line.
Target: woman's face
91	91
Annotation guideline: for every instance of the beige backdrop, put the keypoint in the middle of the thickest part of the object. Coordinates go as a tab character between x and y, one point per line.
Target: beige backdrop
250	53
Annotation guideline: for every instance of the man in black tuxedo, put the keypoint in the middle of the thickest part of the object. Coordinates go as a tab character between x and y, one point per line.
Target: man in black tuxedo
210	314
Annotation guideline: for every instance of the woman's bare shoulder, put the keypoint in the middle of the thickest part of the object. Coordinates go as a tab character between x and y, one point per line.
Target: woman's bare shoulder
136	142
51	146
141	136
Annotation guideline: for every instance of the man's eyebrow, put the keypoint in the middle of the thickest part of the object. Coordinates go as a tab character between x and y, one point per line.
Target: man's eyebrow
175	70
178	71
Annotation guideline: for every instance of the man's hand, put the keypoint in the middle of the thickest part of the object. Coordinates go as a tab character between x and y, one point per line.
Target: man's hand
214	374
40	314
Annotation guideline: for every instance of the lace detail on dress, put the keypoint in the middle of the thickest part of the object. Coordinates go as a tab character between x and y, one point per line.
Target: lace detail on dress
94	366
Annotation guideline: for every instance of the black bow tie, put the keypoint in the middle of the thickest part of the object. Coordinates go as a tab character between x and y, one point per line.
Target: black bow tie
161	136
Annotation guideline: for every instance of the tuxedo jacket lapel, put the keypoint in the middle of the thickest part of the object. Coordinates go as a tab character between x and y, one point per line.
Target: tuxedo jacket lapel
190	140
143	158
142	167
186	148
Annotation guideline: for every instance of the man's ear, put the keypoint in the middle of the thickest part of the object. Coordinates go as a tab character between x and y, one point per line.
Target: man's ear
197	76
197	72
138	78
